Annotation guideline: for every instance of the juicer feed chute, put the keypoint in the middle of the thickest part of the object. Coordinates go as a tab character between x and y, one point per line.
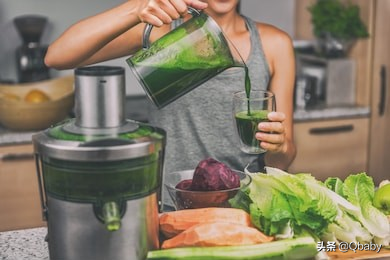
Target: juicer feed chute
100	175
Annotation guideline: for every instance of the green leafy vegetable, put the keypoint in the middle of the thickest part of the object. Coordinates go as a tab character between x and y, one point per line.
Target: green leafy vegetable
335	184
287	205
341	21
359	189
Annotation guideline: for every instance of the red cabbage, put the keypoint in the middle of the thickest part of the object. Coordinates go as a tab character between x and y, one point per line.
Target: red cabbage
212	175
184	184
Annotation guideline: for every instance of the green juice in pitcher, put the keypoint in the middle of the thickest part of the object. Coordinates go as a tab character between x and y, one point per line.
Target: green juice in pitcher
164	85
183	59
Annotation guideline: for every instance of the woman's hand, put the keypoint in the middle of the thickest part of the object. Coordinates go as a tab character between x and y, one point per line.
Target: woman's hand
159	12
272	136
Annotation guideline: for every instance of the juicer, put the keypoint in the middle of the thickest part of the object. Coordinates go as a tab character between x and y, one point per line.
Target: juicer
100	175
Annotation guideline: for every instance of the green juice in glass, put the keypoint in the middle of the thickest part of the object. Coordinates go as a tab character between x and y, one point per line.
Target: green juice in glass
247	128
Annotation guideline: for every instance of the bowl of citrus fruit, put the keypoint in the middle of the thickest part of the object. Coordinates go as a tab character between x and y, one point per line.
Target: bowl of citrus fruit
36	105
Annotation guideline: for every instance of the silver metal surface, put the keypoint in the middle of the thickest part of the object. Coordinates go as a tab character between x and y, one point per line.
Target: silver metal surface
74	232
42	194
129	126
71	150
100	101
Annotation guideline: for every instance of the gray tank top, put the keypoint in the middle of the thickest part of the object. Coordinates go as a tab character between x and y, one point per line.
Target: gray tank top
200	123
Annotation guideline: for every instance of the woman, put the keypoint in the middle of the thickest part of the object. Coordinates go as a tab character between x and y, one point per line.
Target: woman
199	124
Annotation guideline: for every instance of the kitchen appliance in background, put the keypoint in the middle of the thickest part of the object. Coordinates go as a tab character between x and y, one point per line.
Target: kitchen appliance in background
305	96
30	55
100	175
340	87
335	79
317	73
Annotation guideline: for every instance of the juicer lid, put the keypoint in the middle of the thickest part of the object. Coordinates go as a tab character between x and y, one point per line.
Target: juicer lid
99	130
58	143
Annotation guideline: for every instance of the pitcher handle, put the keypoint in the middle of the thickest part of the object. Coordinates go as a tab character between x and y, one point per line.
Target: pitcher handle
148	29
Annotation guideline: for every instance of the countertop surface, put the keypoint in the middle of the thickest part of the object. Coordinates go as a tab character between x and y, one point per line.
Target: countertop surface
29	244
328	113
136	109
9	137
26	244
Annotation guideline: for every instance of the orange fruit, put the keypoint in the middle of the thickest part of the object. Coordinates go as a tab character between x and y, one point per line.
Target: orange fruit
36	96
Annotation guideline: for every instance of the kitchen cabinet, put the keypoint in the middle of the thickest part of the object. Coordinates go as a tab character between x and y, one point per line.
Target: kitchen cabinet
379	160
372	57
19	195
327	148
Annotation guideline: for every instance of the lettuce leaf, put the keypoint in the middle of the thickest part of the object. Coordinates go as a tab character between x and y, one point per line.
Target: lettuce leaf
335	184
285	205
359	189
281	199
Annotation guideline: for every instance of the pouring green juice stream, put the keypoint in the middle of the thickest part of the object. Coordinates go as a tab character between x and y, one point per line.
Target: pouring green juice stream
173	66
184	58
247	88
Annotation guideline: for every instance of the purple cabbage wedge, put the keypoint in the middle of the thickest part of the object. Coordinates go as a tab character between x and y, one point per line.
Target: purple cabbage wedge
209	187
212	175
184	184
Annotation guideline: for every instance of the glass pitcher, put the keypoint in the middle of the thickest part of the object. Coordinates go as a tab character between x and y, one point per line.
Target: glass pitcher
183	59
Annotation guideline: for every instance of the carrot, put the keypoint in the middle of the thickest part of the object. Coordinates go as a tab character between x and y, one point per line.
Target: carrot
174	222
217	234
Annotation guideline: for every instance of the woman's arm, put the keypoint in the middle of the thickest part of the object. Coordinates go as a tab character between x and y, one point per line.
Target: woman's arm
279	144
97	38
113	33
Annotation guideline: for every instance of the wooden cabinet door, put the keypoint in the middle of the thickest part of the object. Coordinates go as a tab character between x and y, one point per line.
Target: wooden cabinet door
20	205
331	148
379	153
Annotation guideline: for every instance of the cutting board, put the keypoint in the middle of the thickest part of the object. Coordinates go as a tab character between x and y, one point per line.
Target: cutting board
383	254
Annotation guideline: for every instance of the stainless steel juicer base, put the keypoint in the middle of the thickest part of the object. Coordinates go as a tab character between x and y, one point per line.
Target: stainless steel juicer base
74	232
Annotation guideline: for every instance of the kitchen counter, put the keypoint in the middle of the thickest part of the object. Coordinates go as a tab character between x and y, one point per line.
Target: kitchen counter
326	113
26	244
137	109
9	137
29	244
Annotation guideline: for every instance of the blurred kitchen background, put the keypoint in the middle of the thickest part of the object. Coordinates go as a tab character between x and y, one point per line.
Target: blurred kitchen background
61	14
341	103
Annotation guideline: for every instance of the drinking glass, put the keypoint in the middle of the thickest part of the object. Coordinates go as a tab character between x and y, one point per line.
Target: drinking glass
249	109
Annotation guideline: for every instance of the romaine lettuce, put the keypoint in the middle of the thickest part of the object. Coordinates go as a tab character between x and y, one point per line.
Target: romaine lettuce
284	205
359	189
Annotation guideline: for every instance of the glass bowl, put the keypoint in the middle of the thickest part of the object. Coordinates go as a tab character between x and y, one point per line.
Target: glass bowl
185	199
